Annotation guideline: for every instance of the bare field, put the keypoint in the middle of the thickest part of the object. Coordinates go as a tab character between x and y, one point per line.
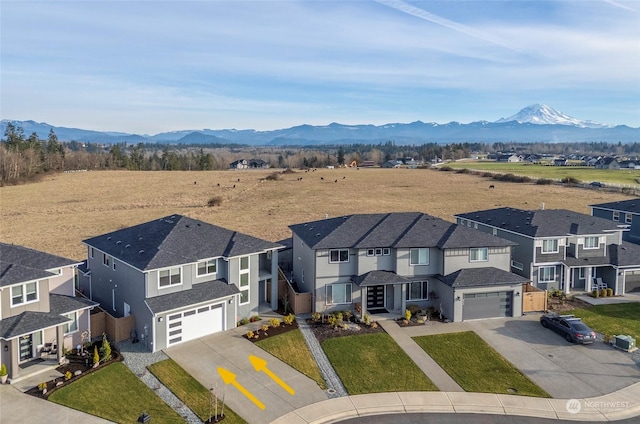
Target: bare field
56	214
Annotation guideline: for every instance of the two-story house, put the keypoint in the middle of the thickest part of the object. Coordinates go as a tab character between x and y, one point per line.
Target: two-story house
181	278
561	249
39	313
386	261
625	212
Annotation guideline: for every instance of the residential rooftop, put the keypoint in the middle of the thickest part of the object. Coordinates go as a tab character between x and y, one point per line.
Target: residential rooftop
632	206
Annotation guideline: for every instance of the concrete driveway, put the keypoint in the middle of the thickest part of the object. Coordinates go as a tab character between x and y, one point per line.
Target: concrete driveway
229	350
563	369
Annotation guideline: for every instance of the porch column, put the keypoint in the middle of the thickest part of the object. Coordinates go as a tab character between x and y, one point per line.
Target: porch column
403	298
274	280
363	300
567	279
14	352
60	342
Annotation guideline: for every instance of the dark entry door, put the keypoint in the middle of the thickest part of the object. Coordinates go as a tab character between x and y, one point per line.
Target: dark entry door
375	297
26	347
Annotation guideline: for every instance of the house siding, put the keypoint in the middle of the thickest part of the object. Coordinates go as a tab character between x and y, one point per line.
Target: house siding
456	259
42	305
304	265
404	268
64	283
633	234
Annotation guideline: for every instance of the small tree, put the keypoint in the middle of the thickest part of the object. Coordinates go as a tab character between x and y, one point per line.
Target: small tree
96	356
106	348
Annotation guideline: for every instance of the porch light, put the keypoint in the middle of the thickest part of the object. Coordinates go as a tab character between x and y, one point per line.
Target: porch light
160	319
6	348
517	294
458	299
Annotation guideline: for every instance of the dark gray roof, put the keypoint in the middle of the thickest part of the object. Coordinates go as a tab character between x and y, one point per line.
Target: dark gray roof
542	223
28	322
632	206
60	304
376	278
625	254
199	293
481	277
176	240
397	230
19	264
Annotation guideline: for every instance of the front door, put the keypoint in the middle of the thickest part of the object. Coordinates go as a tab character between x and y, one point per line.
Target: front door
26	347
375	297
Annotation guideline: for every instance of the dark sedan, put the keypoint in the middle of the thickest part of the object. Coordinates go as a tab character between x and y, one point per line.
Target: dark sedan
570	327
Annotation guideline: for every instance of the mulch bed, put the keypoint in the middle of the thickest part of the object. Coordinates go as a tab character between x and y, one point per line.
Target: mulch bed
271	332
324	331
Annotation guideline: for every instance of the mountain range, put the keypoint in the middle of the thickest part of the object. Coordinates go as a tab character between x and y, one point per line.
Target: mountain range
535	123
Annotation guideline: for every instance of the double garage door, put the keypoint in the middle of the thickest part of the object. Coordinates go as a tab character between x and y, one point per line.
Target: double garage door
487	305
632	281
194	323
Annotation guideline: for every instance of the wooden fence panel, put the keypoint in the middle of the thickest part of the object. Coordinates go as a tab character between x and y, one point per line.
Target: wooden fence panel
98	324
533	299
300	303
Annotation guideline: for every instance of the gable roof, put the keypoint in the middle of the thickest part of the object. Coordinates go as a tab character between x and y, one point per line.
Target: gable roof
397	230
199	293
28	322
19	264
376	278
61	304
632	206
481	277
542	223
176	240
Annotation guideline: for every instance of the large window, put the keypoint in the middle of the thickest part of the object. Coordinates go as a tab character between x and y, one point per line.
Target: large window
71	327
628	218
24	293
550	246
170	277
244	280
480	254
207	267
419	256
339	255
591	242
338	294
616	215
418	290
547	274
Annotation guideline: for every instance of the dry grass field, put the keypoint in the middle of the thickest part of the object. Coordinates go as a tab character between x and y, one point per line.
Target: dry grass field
56	214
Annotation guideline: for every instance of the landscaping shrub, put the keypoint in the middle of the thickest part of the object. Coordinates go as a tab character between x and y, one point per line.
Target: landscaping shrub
407	315
603	292
244	321
288	319
67	376
347	315
595	293
544	181
316	316
96	356
366	319
215	201
106	348
274	322
487	174
413	308
609	292
510	178
254	318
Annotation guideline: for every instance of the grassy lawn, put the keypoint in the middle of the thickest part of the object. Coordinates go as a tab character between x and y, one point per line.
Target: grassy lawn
372	363
116	394
621	318
291	349
190	391
585	174
475	365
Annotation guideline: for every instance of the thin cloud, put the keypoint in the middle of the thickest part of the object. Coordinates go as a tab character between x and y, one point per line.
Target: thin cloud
456	26
621	6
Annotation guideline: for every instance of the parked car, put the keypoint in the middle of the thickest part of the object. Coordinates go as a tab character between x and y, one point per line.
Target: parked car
570	327
596	184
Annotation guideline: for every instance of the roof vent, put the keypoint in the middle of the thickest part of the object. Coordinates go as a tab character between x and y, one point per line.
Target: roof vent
109	238
317	234
118	242
127	246
140	252
140	238
187	225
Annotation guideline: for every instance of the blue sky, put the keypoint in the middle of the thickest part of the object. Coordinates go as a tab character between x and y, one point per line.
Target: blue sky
155	66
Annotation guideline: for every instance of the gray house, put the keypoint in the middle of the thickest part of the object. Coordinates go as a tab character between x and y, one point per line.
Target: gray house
39	313
181	278
386	261
561	249
624	212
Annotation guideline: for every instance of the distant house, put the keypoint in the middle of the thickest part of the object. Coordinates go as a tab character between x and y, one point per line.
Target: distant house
509	158
629	164
560	162
533	158
624	212
368	163
607	163
239	164
391	164
257	164
591	161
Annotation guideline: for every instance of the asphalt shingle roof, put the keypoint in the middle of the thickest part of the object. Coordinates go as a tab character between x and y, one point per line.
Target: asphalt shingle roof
481	277
376	278
60	304
199	293
625	254
542	223
632	206
176	240
28	322
396	230
19	264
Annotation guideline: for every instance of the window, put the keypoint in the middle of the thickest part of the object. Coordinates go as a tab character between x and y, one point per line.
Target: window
244	263
616	216
480	254
244	280
338	255
207	267
24	293
582	273
547	274
91	252
114	264
106	260
71	327
169	277
419	256
591	242
386	251
418	290
338	294
628	218
494	231
379	252
550	246
517	265
371	252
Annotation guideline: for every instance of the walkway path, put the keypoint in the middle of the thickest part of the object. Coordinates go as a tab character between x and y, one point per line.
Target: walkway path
328	373
428	366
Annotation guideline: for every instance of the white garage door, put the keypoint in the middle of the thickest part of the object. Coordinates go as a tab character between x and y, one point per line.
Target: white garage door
195	323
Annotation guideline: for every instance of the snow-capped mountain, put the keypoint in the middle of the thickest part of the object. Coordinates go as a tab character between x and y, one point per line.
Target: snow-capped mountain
546	115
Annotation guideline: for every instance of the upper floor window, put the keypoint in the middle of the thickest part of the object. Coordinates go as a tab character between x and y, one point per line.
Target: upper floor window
170	277
480	254
24	293
338	293
91	252
72	326
106	259
591	242
517	265
628	218
244	263
419	256
207	267
616	216
338	255
550	246
244	280
379	252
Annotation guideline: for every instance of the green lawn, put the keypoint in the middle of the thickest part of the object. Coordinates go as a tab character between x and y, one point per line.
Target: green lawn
372	363
291	349
620	318
190	391
476	366
585	174
116	394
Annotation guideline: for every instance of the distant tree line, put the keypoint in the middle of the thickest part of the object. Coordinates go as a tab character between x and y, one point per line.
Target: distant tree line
24	158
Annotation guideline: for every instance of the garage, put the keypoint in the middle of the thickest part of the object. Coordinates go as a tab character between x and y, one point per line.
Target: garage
487	305
194	323
632	281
